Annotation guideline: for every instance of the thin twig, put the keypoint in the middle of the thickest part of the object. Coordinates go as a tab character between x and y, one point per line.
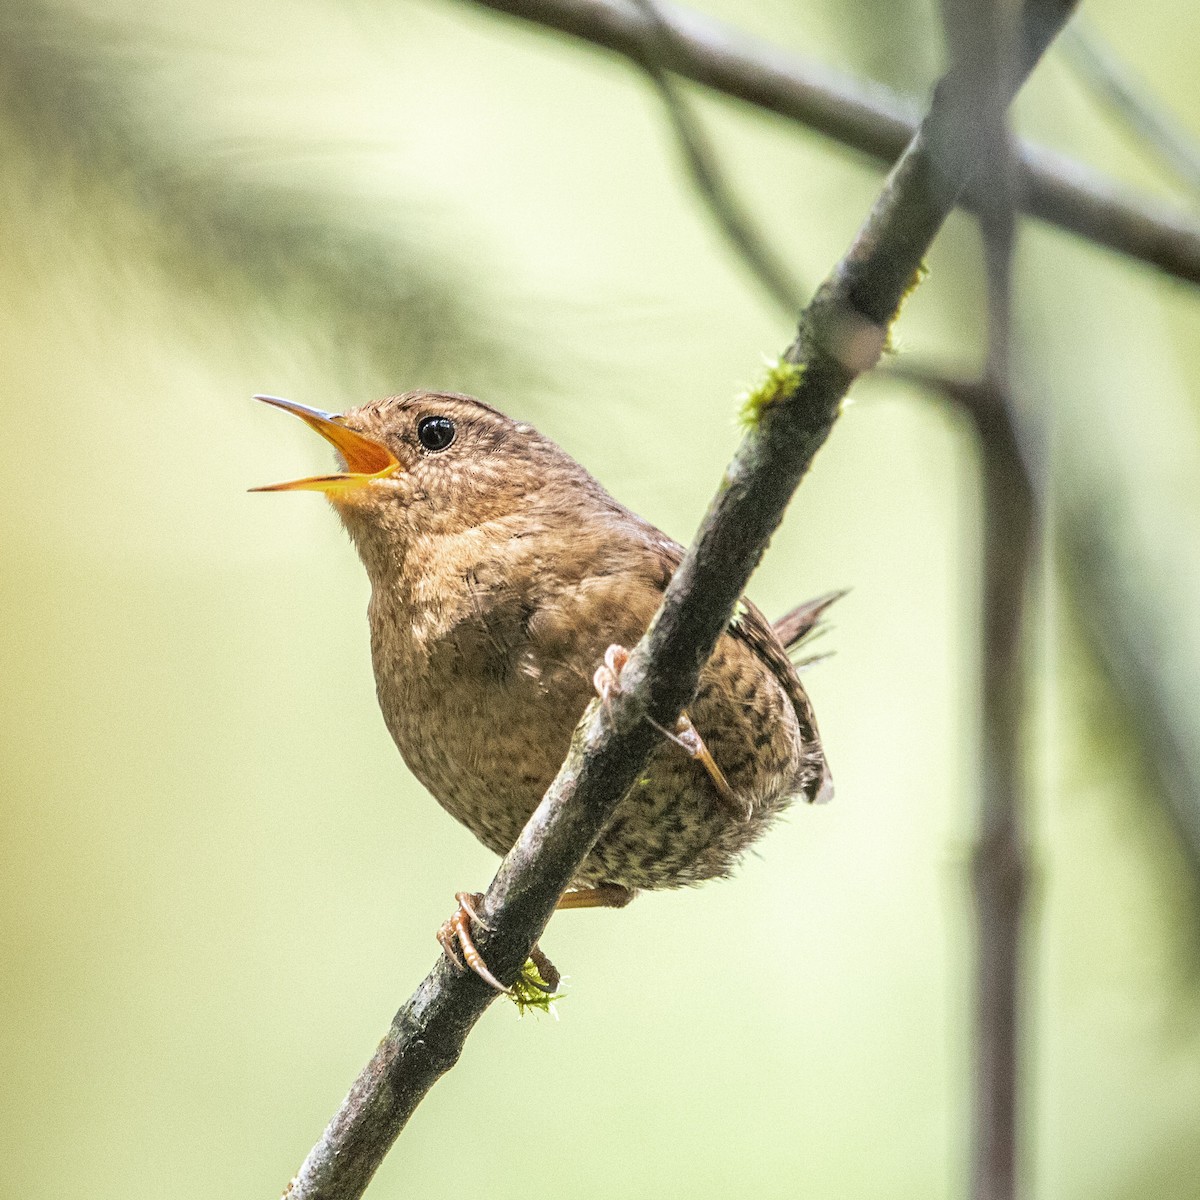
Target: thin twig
999	867
980	44
707	174
871	119
840	334
1130	98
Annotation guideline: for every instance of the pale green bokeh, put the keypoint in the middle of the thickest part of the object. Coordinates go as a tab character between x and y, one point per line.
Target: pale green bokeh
218	881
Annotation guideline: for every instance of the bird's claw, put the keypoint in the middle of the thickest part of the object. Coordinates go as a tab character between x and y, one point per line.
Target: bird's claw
607	679
455	936
689	738
547	970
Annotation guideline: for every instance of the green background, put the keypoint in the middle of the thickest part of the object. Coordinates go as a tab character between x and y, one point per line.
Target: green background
217	879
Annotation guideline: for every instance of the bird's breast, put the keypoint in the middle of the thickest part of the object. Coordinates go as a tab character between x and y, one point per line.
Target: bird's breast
479	716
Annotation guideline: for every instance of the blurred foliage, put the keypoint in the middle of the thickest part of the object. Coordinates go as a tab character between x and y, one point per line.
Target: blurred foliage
217	878
232	219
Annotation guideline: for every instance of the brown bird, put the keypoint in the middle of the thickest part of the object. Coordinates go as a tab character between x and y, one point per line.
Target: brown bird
505	585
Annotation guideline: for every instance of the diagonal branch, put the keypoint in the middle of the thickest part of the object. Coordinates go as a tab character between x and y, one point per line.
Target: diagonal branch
841	334
869	118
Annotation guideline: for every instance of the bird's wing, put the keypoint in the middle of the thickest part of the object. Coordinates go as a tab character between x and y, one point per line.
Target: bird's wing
749	626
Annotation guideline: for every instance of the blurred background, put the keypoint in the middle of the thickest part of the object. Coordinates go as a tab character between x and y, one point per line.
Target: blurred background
218	880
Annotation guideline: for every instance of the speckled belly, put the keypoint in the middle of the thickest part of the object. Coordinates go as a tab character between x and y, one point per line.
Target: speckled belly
489	760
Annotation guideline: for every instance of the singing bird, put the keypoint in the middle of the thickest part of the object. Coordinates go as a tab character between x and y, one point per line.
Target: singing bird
506	584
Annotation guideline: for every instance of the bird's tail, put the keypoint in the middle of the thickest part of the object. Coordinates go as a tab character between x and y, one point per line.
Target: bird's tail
804	620
802	623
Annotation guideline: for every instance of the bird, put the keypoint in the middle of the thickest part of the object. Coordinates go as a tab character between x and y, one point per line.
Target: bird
506	587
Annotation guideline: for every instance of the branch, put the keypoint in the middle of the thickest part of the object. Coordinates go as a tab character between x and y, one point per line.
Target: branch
999	867
871	119
980	45
840	334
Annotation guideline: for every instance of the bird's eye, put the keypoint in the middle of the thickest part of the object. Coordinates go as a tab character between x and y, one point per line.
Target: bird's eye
435	433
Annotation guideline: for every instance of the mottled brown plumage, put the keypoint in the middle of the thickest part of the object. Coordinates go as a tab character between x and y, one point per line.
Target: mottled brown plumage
501	572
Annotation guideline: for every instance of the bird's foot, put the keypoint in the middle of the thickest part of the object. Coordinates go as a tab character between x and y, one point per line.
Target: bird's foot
547	978
456	941
538	981
455	937
687	736
607	680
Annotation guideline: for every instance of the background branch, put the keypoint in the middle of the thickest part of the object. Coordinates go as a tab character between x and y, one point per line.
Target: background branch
840	334
871	119
999	866
979	41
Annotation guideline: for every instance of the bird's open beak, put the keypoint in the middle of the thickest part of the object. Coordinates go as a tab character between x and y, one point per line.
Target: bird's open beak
366	460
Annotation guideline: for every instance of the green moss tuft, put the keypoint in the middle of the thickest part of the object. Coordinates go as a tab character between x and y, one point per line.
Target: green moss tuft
781	381
531	992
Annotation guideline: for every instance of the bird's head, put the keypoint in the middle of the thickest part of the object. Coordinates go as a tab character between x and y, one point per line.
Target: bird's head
426	463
